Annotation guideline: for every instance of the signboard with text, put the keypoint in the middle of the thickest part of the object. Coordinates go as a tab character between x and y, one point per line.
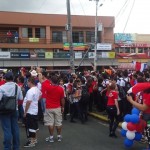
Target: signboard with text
4	55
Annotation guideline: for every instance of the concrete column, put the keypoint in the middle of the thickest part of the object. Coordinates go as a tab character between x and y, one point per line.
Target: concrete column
48	37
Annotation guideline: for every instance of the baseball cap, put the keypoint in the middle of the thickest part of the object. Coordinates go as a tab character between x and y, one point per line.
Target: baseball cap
8	75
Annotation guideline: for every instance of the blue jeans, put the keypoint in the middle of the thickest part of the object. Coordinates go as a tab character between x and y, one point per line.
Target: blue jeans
10	130
43	105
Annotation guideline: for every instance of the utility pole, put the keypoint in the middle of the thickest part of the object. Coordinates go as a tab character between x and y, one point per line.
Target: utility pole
95	44
69	29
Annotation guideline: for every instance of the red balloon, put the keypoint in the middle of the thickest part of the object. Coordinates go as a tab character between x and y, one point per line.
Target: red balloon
141	125
131	126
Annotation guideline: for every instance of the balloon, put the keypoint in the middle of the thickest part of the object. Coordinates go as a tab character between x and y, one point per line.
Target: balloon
123	132
130	135
131	126
135	111
140	126
124	125
127	118
138	136
128	143
134	118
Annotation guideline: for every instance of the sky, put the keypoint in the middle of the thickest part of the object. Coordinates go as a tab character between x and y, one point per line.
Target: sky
131	16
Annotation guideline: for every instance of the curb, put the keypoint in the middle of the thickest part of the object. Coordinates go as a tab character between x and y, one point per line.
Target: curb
100	117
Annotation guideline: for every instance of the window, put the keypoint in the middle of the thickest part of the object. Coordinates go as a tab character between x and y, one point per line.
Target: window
57	36
117	49
40	32
27	32
126	50
90	37
77	37
64	36
133	50
140	50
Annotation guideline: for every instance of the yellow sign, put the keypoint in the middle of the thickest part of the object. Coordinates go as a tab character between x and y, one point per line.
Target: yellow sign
34	40
111	54
48	55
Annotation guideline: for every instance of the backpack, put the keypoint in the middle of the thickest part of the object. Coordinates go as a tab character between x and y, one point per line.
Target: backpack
127	85
122	93
85	96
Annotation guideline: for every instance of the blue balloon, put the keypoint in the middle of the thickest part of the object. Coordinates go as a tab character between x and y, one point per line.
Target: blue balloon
138	136
123	132
134	118
135	111
127	118
128	143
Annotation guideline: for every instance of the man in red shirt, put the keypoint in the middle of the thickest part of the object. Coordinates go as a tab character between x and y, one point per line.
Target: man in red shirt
54	108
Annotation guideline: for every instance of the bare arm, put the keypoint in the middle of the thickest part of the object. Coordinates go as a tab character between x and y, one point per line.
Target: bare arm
141	107
27	107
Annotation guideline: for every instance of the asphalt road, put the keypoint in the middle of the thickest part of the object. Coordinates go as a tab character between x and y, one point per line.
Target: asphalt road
91	136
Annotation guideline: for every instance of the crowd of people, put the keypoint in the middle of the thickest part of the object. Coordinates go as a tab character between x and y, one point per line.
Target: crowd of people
51	96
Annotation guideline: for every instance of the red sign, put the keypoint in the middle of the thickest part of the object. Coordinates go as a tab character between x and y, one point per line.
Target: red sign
133	45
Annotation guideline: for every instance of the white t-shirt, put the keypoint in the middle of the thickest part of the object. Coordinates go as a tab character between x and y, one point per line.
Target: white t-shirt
32	95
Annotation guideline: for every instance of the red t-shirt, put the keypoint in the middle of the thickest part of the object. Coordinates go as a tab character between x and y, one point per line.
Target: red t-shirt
91	86
112	97
2	82
146	100
54	94
43	89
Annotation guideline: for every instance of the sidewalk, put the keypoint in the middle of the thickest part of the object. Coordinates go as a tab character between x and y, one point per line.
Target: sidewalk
101	116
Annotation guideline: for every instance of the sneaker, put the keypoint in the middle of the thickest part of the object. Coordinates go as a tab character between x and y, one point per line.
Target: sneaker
47	139
29	144
51	140
59	138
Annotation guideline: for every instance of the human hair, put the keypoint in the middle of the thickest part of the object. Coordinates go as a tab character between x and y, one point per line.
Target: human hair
54	79
112	85
32	80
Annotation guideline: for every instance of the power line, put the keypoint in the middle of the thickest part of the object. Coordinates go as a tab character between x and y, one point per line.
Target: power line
129	16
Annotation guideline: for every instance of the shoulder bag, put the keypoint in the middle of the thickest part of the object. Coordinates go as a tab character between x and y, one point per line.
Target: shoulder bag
8	103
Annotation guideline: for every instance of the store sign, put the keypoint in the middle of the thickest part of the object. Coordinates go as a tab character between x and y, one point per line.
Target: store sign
104	46
108	54
34	40
140	45
20	55
5	55
78	55
41	55
76	46
90	54
48	55
62	55
125	38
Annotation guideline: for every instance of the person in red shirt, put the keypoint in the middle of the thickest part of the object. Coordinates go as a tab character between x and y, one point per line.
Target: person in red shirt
145	108
2	81
54	108
112	109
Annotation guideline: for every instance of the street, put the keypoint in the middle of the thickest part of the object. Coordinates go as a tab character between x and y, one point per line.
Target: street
76	136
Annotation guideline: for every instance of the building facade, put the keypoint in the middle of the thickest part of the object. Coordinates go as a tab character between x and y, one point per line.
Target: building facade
131	47
28	39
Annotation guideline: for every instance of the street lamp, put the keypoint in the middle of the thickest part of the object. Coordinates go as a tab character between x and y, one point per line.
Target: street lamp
96	26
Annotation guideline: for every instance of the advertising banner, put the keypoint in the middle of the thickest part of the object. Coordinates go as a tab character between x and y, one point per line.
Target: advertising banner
48	55
111	54
78	55
4	55
125	37
20	55
90	54
76	46
34	40
104	46
62	55
41	55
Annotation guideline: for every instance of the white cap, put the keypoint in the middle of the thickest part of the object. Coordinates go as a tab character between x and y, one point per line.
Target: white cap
34	73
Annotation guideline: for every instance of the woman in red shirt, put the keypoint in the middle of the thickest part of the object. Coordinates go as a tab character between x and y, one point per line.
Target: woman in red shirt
113	109
145	108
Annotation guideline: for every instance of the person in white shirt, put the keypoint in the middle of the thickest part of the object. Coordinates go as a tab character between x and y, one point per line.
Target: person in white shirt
30	106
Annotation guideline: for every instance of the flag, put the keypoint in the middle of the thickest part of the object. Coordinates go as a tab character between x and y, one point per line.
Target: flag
139	87
139	66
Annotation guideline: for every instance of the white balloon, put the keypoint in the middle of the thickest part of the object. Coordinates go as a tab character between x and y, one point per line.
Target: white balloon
124	125
130	135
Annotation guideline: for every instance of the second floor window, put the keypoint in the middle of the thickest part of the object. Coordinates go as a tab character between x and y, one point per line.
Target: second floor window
77	37
57	36
90	37
27	32
40	32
